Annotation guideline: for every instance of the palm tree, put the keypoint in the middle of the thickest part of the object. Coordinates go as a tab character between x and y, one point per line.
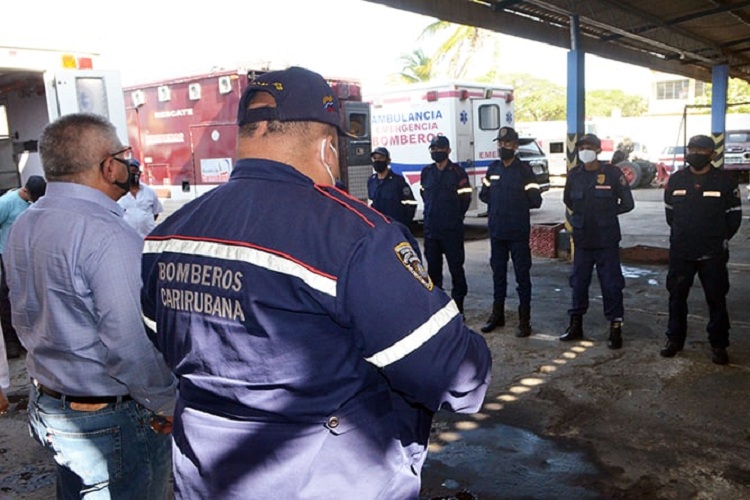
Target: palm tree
417	67
456	50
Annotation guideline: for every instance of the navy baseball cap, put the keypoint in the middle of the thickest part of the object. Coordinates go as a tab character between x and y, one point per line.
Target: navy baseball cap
508	134
589	139
381	151
301	95
440	141
701	141
132	162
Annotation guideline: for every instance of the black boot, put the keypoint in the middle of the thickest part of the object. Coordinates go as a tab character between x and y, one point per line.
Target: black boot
615	335
575	330
524	321
497	318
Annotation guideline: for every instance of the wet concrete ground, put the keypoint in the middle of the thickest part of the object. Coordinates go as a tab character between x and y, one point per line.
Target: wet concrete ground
562	420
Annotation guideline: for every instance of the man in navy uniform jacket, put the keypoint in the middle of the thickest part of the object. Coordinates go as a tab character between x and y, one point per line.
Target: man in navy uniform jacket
311	347
389	193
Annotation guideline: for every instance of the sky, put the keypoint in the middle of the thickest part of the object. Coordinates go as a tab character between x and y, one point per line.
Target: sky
149	40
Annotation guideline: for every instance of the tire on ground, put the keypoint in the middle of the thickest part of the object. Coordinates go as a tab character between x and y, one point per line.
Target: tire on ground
632	173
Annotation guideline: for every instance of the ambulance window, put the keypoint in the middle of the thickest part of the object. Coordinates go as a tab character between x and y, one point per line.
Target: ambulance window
92	96
358	124
555	147
4	130
489	117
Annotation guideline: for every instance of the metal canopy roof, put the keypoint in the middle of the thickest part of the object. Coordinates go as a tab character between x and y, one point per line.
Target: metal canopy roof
684	37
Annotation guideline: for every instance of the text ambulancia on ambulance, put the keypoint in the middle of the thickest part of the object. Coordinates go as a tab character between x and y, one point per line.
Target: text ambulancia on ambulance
406	119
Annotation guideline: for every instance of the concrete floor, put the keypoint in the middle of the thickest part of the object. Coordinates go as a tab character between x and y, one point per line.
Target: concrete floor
562	420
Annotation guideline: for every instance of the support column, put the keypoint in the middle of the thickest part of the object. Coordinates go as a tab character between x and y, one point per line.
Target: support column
719	84
576	107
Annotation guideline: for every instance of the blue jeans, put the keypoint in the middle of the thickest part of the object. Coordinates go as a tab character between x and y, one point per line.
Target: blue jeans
108	453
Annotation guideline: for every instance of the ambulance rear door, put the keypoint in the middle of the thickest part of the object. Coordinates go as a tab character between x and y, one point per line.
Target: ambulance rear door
487	118
87	91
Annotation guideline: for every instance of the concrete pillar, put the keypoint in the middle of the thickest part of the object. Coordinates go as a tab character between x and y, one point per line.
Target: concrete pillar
719	84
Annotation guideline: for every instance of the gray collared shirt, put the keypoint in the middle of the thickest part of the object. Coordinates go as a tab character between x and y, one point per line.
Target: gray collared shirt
73	269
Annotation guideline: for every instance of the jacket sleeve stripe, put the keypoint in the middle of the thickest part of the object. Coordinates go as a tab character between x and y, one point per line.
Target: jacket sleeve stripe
256	256
531	185
415	339
734	209
465	190
408	202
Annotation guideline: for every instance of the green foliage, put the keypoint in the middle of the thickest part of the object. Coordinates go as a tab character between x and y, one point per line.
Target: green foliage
536	99
738	92
459	45
604	102
416	67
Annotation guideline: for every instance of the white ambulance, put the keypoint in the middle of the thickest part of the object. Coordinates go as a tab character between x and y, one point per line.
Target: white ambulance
39	85
404	120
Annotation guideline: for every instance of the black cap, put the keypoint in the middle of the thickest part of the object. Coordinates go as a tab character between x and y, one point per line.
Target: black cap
36	186
381	151
508	134
301	95
440	141
591	140
701	141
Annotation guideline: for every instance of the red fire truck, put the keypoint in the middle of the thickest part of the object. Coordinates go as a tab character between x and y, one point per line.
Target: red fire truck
183	131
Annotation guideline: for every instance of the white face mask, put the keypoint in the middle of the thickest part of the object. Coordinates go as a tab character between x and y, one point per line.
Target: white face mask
323	159
587	155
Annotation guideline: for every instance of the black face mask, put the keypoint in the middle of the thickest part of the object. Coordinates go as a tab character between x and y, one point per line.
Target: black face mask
439	156
125	186
379	165
135	179
507	153
697	160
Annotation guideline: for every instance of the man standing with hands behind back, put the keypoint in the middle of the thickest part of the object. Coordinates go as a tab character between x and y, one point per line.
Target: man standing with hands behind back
704	211
596	193
446	193
102	396
510	190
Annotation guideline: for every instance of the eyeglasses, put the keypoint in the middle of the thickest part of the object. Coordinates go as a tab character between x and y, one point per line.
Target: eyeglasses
125	162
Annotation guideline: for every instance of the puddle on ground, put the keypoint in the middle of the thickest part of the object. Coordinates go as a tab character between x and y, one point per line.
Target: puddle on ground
638	272
27	480
507	462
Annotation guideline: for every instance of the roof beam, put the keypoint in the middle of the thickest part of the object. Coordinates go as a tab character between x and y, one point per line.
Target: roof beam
472	13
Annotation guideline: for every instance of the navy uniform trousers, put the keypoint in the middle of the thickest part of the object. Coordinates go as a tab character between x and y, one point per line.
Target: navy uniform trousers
607	262
715	281
450	244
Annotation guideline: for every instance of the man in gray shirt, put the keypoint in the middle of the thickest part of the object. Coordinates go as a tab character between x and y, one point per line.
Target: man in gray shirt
102	397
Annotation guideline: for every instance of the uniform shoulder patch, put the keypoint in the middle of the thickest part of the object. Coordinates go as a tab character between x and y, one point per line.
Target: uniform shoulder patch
411	262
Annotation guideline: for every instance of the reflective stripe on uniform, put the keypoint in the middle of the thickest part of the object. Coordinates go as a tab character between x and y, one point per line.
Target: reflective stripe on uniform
415	339
149	322
464	190
668	207
734	209
265	259
486	182
408	202
531	185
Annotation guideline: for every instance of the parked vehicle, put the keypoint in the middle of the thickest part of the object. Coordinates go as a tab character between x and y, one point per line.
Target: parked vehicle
737	153
37	86
184	132
406	119
673	158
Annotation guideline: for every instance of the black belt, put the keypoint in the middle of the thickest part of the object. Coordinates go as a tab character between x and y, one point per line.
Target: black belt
81	399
